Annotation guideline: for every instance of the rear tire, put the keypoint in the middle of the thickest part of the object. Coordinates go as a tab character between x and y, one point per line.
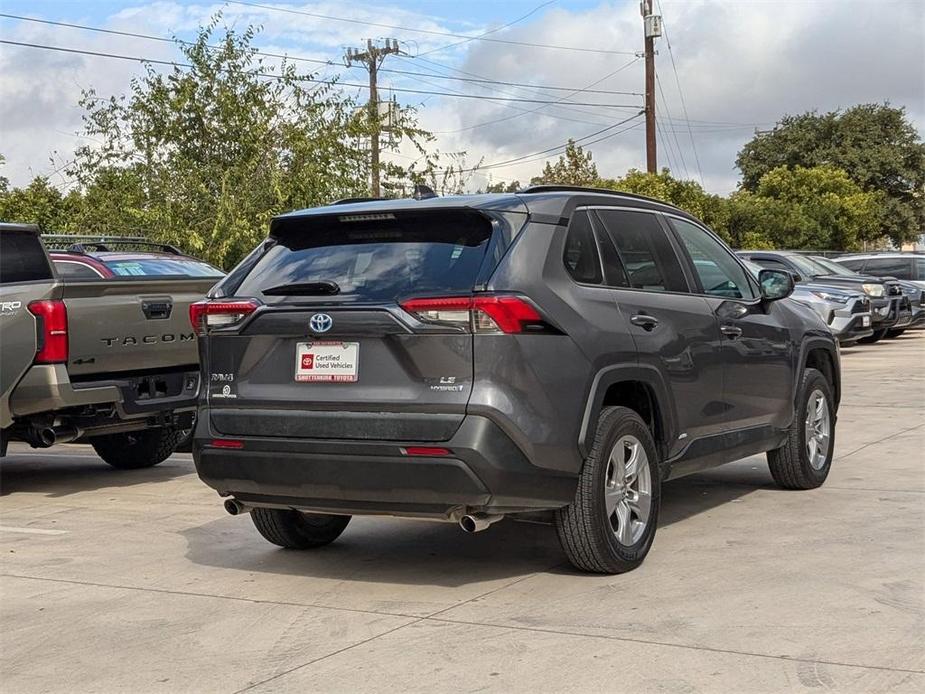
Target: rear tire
871	339
296	530
804	461
137	449
610	525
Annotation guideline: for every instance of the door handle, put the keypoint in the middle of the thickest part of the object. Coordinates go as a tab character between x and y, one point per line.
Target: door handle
731	331
644	321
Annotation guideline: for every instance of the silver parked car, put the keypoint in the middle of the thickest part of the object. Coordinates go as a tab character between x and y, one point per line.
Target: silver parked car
846	312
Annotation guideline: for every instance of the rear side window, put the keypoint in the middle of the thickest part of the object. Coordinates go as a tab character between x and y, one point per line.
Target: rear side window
75	271
161	267
22	258
376	257
919	267
581	257
900	268
647	255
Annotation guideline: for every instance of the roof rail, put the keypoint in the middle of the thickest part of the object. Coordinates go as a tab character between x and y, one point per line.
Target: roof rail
559	188
85	243
350	201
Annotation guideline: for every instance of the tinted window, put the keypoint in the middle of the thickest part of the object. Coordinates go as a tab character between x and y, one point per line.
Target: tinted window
22	258
919	274
581	256
160	267
645	251
376	257
75	271
900	268
719	273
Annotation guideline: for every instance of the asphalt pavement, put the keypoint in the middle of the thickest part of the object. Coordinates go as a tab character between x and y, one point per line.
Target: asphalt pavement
138	581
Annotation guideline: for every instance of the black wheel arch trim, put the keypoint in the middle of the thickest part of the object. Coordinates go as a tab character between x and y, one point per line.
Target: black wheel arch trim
622	373
829	345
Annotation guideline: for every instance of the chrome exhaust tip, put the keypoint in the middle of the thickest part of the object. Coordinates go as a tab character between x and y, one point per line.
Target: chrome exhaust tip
235	507
476	522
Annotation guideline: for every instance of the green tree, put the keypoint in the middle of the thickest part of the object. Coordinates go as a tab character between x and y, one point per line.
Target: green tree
817	208
574	168
40	203
203	156
875	144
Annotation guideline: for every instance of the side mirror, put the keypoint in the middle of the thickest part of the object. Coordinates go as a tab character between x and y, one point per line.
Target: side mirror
775	284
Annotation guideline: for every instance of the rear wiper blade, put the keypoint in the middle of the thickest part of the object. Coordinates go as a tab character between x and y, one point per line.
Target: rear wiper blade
322	288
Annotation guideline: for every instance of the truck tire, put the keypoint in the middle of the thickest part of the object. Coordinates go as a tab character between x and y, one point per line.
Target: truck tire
610	525
890	334
137	449
296	530
804	461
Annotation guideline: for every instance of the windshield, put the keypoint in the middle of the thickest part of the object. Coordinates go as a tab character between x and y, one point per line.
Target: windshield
833	267
159	267
808	267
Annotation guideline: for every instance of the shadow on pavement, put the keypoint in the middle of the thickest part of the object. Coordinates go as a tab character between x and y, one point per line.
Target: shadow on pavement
388	550
74	470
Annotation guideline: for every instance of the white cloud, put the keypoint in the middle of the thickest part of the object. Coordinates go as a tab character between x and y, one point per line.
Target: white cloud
744	63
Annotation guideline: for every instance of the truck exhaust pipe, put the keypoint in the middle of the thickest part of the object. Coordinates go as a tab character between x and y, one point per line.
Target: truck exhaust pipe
235	507
476	522
49	436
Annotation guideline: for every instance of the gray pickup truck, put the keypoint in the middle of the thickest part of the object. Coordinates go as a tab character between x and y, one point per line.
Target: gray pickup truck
97	345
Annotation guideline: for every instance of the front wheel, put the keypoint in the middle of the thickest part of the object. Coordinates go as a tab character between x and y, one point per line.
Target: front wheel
804	461
610	525
137	449
296	530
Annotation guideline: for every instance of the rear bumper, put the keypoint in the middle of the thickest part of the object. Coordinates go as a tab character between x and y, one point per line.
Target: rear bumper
484	471
47	387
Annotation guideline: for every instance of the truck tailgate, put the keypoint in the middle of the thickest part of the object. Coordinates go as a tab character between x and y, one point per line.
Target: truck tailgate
117	325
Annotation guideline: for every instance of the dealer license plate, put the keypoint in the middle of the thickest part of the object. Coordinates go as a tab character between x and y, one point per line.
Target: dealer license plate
327	361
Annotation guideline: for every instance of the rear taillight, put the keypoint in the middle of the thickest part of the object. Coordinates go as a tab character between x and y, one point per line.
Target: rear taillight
207	314
52	331
487	313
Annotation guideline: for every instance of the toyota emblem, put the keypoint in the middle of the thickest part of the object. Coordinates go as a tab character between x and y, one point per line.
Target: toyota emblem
320	322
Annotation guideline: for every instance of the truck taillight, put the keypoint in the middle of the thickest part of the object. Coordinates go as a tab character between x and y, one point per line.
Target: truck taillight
52	331
487	313
207	314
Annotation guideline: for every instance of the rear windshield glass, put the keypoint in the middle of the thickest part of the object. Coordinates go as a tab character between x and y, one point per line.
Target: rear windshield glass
22	258
354	258
154	267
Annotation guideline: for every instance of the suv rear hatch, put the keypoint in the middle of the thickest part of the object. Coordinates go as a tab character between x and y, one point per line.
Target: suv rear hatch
352	326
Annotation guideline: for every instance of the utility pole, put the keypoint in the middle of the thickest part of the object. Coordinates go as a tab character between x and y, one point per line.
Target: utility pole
372	59
652	25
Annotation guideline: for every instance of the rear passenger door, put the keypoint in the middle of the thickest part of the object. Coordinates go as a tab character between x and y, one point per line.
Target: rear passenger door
25	276
758	352
675	332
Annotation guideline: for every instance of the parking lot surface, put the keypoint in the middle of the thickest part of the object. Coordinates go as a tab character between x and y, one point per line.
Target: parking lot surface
138	581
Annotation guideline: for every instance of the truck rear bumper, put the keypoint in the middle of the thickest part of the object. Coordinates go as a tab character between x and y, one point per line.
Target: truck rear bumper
47	387
482	470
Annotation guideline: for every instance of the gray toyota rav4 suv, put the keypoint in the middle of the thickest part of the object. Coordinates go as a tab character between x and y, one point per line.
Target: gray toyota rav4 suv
466	358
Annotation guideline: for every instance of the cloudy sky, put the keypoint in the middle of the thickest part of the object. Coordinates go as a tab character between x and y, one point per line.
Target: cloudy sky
734	66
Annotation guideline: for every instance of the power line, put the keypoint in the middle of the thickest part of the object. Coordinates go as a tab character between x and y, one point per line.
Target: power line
559	101
677	80
432	32
286	56
490	31
551	150
677	143
405	90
